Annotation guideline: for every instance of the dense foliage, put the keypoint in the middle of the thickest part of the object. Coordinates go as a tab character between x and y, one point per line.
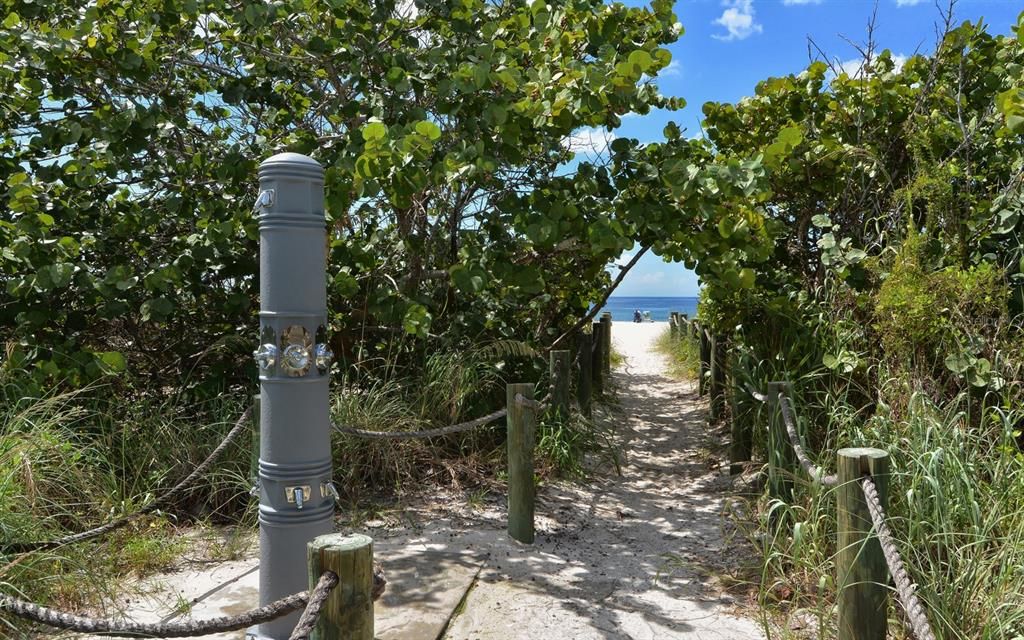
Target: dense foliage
894	202
858	232
892	299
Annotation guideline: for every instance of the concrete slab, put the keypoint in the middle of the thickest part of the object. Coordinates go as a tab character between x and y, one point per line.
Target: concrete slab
425	588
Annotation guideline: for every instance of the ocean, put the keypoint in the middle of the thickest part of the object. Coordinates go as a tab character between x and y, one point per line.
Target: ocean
622	307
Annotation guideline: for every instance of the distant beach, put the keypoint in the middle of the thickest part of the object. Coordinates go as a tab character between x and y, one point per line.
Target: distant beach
622	307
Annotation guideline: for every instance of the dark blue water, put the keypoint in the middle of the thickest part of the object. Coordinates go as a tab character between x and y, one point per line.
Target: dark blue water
621	307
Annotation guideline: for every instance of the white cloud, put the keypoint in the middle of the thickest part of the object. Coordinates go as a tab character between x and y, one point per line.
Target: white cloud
793	2
653	277
907	3
673	69
592	141
738	20
854	67
624	259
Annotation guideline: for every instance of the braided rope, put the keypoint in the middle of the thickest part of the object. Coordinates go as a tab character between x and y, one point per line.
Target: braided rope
127	628
521	400
311	615
164	499
904	587
812	469
530	403
754	393
426	433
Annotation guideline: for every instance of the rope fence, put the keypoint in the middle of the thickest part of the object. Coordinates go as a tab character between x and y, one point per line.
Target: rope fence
754	393
425	433
162	500
905	588
185	629
859	617
521	410
536	405
813	470
311	614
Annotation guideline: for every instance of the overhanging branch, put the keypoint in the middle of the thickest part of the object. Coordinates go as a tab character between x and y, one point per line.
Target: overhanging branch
604	298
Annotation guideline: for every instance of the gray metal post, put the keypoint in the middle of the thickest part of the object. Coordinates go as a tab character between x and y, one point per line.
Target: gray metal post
296	495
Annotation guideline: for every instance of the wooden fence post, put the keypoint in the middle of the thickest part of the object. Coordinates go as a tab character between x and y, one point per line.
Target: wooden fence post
584	387
673	326
863	579
717	365
606	343
684	326
705	360
781	457
522	423
559	372
348	612
596	359
742	433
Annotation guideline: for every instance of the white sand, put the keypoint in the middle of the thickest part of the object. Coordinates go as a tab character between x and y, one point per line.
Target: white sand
641	555
630	556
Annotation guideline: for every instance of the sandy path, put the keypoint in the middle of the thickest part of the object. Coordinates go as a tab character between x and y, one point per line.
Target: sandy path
624	557
637	556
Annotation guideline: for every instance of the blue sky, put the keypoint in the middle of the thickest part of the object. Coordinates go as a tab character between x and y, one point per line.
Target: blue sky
729	45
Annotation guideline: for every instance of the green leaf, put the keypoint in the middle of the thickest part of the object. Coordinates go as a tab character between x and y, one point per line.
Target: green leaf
156	309
1006	221
790	136
725	227
417	320
856	255
747	278
375	131
958	362
428	129
112	361
640	60
822	221
254	14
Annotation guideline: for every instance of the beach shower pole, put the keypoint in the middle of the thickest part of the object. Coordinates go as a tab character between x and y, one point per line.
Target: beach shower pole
296	494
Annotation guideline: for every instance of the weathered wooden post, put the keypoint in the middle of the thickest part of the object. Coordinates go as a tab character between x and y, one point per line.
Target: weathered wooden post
781	457
348	612
558	370
522	424
717	366
673	326
293	360
584	386
742	434
705	360
597	358
606	343
863	579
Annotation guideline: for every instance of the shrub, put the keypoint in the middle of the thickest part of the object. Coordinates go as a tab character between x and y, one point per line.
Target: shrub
924	314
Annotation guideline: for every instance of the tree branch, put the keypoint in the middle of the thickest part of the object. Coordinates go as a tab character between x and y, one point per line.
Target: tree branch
604	298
